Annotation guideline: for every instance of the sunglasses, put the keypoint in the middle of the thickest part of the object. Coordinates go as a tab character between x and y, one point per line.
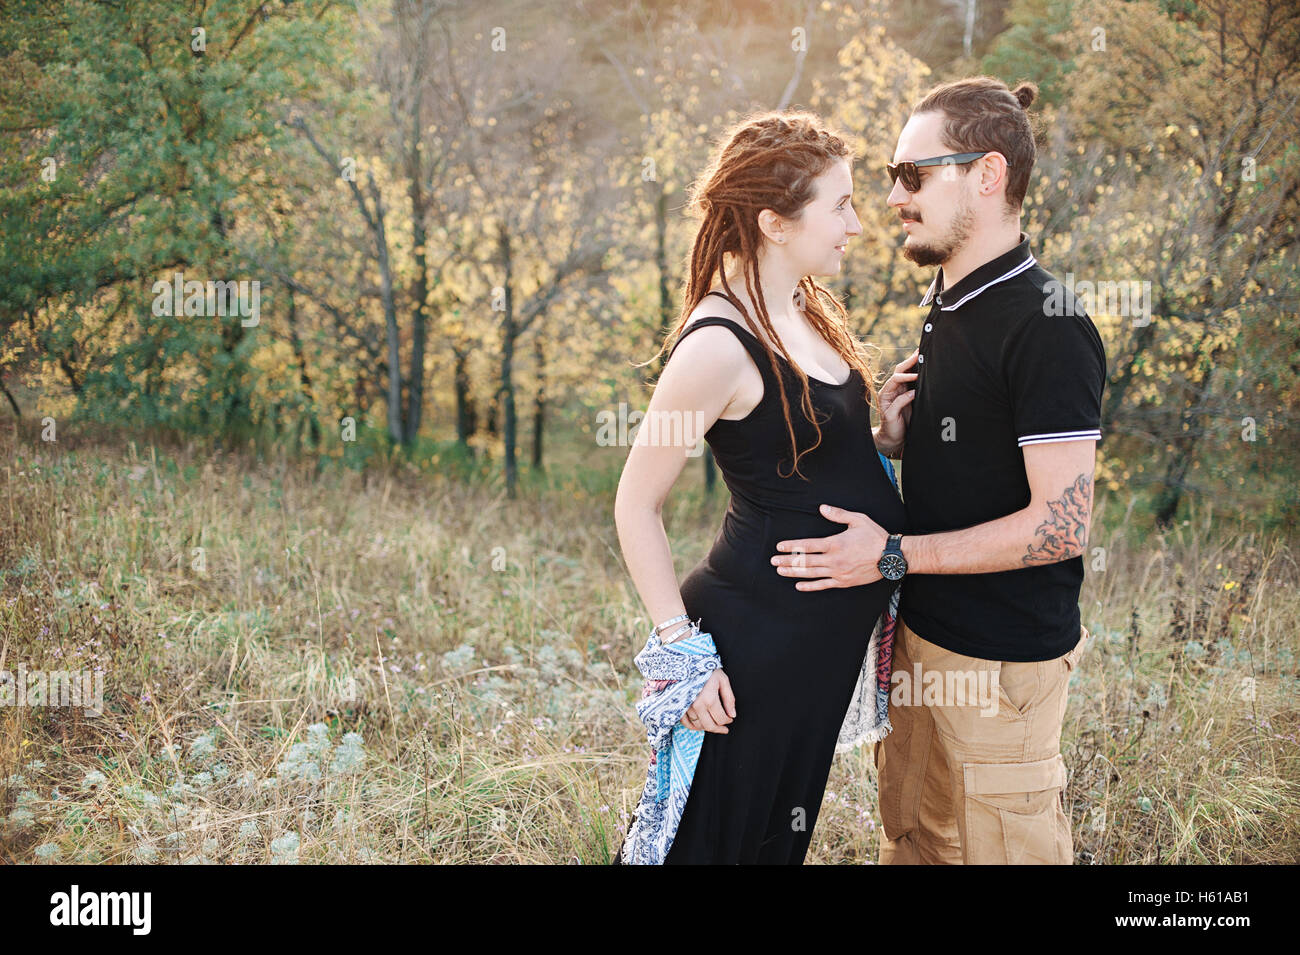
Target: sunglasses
907	170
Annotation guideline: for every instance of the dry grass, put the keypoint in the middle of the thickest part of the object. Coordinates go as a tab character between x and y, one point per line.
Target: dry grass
249	615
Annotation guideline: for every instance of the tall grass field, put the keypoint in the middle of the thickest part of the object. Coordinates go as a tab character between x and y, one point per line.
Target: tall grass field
306	663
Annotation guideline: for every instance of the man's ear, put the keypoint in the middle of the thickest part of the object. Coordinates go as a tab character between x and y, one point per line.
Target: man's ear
993	170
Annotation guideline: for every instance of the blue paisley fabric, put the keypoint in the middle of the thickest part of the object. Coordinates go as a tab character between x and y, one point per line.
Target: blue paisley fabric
674	674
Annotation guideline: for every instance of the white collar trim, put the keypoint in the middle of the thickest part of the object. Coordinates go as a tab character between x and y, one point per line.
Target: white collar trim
930	293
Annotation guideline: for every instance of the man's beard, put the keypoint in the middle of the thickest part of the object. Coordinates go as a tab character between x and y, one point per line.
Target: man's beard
944	248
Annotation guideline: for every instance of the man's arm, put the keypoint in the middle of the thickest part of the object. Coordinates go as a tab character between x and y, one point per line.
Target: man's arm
1053	527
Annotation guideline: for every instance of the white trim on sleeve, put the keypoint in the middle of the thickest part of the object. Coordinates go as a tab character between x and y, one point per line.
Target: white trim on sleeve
1094	435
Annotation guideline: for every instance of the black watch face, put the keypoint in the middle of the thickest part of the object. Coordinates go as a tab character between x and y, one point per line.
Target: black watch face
892	566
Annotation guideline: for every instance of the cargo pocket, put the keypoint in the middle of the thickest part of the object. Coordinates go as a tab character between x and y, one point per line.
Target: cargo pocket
1014	813
897	781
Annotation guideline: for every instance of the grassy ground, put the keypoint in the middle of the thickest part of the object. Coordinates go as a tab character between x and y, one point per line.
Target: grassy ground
401	666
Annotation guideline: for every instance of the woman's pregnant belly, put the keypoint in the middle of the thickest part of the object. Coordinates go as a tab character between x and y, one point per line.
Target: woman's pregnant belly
741	560
770	635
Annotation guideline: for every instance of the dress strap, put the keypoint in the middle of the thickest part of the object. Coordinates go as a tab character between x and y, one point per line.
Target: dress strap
747	338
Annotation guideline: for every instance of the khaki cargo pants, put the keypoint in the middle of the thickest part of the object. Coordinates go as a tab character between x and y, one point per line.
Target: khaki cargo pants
972	771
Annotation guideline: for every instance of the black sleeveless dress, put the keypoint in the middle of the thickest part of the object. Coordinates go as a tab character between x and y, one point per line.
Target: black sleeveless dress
792	657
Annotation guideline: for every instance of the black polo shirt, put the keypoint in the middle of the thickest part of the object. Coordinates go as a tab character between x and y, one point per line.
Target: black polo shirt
999	369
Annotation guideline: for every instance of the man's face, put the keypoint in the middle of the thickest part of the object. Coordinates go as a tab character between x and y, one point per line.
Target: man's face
940	217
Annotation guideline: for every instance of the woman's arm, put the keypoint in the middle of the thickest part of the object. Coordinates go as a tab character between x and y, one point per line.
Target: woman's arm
697	386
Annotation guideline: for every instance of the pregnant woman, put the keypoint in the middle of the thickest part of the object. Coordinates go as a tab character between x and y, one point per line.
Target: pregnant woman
781	391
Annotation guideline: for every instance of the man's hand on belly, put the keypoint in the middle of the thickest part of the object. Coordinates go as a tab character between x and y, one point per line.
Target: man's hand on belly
847	559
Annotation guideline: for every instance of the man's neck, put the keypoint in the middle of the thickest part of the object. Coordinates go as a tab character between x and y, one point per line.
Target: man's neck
982	247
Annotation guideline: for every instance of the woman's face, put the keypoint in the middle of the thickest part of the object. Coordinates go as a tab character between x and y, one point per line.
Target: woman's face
817	244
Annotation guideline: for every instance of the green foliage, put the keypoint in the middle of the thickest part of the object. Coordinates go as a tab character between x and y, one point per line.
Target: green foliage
1034	47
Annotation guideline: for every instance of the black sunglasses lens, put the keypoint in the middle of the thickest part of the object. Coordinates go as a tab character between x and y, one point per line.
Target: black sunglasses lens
905	171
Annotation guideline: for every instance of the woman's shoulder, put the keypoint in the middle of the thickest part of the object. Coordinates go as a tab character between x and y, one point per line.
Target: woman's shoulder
715	306
714	336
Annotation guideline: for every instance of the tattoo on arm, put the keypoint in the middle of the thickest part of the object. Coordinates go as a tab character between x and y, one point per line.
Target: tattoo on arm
1065	533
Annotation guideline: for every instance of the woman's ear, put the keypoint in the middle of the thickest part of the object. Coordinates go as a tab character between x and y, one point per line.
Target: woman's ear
772	226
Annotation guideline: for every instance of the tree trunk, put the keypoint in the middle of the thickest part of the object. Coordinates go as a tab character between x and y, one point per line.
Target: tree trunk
539	400
466	418
304	377
508	335
1175	479
661	264
18	412
396	430
420	291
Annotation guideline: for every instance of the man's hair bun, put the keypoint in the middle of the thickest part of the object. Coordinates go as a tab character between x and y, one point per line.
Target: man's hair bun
1025	93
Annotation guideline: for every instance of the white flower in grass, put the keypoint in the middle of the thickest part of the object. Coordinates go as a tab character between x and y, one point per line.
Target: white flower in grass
48	852
350	755
205	745
284	850
462	658
248	830
20	818
132	791
292	769
94	778
318	739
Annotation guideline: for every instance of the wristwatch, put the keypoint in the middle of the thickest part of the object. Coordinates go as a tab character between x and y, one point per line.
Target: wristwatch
892	564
